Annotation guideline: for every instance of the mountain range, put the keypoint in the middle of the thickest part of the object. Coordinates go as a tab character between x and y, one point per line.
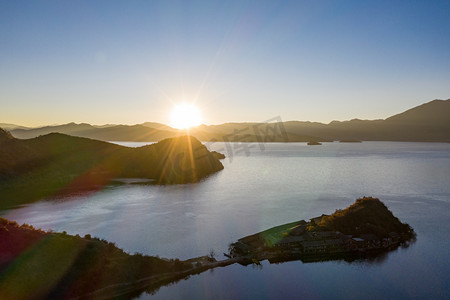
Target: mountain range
429	122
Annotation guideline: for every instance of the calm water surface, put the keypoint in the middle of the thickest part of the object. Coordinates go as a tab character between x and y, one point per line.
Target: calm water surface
260	189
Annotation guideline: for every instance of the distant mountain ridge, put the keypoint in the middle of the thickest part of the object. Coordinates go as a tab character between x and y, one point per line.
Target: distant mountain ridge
435	111
429	122
8	126
104	133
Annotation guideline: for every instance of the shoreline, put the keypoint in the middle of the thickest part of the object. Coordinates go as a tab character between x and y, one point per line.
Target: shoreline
159	280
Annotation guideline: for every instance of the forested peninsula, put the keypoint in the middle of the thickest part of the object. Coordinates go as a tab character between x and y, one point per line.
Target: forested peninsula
42	265
56	163
365	227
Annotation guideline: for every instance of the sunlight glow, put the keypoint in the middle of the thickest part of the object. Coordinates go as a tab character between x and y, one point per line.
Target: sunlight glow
184	116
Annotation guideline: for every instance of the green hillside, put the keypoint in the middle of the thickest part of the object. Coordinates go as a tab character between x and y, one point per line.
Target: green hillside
57	163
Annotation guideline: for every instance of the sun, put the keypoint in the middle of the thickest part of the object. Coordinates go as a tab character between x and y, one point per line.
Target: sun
185	115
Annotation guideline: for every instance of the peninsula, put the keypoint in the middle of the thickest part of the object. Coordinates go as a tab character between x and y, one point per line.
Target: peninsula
41	264
56	163
366	227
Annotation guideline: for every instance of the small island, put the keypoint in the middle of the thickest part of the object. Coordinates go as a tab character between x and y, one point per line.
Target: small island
350	141
314	143
366	227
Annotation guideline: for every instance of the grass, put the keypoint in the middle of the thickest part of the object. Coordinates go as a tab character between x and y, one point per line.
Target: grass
273	235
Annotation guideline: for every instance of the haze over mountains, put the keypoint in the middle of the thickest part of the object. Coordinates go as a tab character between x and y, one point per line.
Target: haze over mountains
429	122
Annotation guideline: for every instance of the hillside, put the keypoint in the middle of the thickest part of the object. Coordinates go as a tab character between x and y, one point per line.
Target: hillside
366	216
43	265
426	123
56	163
436	112
366	227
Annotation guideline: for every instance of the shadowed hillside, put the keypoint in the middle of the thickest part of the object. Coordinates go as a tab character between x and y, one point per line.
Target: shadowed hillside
425	123
57	163
43	265
366	215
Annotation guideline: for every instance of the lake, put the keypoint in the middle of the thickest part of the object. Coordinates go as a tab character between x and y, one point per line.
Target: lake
264	185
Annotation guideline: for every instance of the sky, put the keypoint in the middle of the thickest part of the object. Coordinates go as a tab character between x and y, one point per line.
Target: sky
128	62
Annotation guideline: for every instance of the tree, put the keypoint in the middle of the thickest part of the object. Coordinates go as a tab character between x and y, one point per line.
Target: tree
212	255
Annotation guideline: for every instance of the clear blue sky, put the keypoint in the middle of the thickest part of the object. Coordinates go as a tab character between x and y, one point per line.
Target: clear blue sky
131	61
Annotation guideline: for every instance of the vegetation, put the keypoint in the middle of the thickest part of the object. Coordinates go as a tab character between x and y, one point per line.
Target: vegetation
37	264
367	215
367	226
57	163
272	235
350	141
